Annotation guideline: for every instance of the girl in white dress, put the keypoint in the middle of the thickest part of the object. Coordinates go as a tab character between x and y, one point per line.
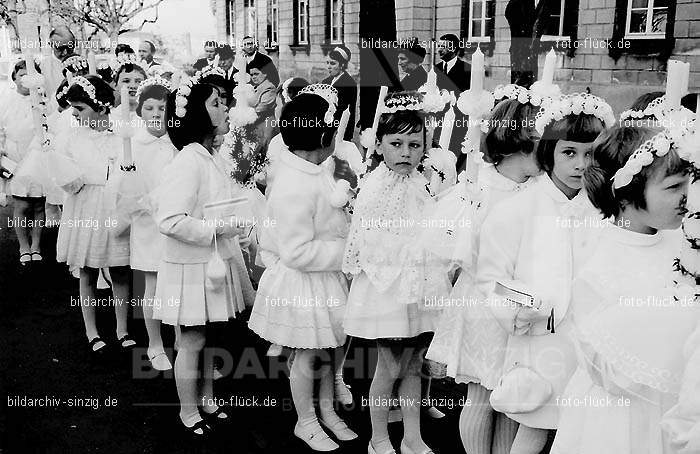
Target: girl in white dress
630	322
152	150
531	242
387	296
131	75
468	339
26	188
201	275
302	293
87	237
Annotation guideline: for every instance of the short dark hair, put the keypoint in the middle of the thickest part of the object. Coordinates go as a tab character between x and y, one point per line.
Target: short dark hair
123	48
413	51
103	92
127	68
106	73
338	56
582	128
196	125
510	130
248	37
644	100
260	65
610	153
219	82
299	120
225	52
211	43
158	92
20	65
452	38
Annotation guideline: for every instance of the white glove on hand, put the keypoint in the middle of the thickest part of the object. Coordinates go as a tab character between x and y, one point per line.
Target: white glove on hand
229	228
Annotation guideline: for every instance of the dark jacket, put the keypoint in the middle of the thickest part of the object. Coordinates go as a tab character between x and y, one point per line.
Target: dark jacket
457	79
414	80
201	64
265	61
347	97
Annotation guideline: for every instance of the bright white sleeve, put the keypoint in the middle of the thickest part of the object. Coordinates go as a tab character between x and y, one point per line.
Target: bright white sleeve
293	214
499	243
177	198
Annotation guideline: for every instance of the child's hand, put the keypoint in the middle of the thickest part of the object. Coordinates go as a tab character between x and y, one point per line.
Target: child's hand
343	171
74	186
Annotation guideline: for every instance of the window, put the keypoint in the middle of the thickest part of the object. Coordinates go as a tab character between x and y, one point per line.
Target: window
336	21
480	21
251	23
301	22
643	27
272	23
553	27
646	18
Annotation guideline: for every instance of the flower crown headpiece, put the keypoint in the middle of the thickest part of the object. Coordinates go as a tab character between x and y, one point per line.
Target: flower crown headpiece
89	90
183	92
659	111
126	59
151	81
574	104
658	145
75	63
518	93
329	94
210	70
653	109
403	101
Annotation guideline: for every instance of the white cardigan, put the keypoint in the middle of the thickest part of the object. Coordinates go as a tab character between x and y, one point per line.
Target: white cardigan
193	178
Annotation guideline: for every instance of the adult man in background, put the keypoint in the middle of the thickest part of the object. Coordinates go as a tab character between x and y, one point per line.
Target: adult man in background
254	58
209	58
453	73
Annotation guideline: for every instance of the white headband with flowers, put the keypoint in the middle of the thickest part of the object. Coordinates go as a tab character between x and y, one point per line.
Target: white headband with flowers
521	94
285	90
151	81
658	145
89	90
329	94
75	63
126	59
182	93
576	104
211	70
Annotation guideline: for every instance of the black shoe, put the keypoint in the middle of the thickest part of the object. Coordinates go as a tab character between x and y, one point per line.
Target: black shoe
126	343
99	350
218	417
200	425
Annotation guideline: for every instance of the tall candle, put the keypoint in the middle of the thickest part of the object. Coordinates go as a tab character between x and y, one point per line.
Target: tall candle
126	123
377	113
344	119
550	62
477	72
448	123
92	64
432	78
675	79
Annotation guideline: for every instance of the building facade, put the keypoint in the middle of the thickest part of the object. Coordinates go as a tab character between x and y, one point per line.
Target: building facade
617	49
296	34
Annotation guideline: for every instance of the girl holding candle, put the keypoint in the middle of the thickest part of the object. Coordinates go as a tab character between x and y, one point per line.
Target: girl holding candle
87	238
532	243
202	277
152	150
28	193
630	354
302	293
129	74
468	339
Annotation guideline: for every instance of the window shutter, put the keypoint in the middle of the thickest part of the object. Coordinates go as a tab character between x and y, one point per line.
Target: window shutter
464	20
570	27
491	22
295	15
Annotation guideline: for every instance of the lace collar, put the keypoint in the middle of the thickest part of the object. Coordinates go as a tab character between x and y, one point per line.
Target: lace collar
492	179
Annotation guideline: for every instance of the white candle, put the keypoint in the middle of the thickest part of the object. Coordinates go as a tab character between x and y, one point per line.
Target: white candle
550	62
432	78
378	113
92	63
343	125
675	79
126	123
448	123
477	71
